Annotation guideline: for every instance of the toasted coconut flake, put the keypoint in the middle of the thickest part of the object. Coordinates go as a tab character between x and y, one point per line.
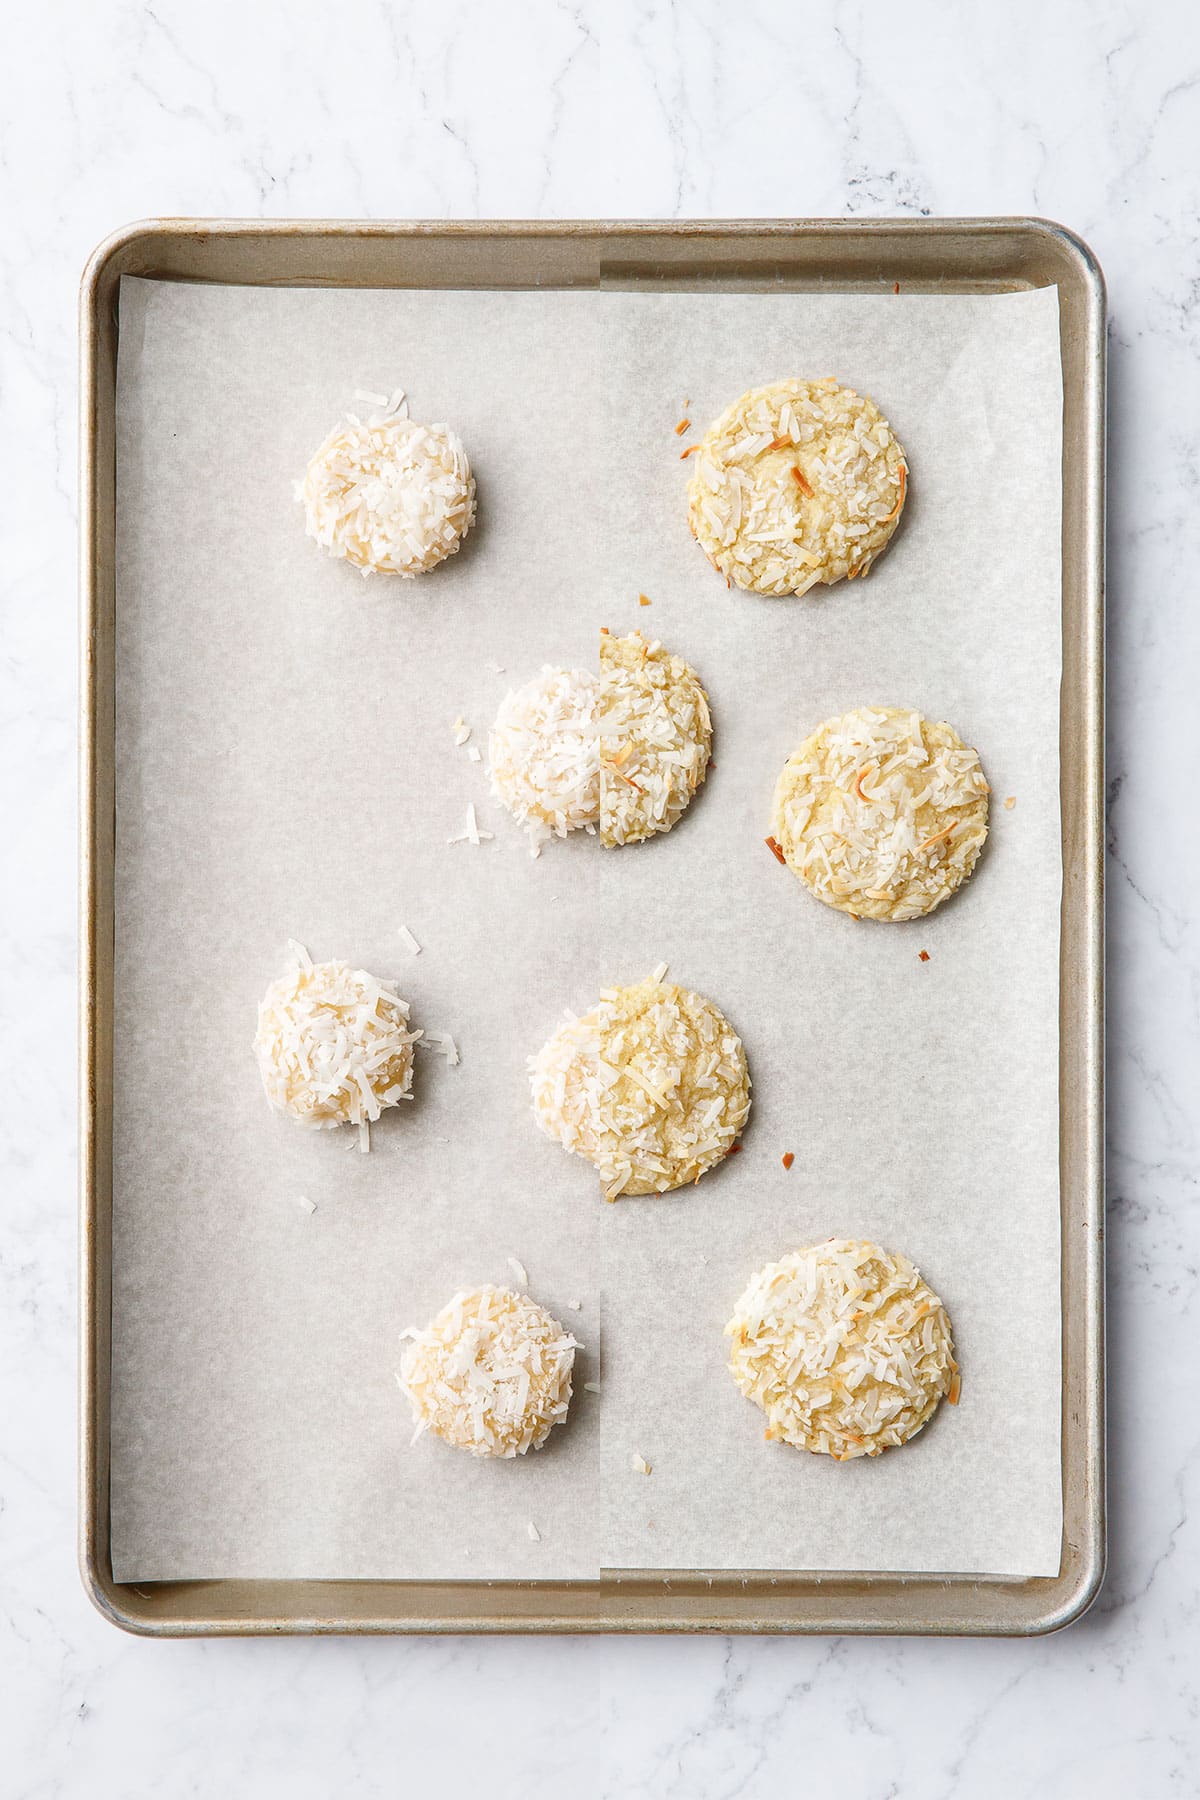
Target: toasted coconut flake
844	1347
491	1374
1010	802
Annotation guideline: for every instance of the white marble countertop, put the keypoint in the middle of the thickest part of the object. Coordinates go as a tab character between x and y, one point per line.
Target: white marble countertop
1087	112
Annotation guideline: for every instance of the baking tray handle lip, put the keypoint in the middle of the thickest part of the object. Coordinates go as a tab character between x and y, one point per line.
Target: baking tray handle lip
104	1594
1079	251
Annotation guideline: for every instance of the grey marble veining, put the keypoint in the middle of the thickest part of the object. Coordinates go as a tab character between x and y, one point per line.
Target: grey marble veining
1088	112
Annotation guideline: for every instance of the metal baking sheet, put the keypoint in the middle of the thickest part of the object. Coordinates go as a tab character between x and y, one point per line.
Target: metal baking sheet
623	268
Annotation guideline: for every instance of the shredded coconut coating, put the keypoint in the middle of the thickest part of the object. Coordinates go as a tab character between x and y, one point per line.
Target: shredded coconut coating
389	495
651	1086
333	1045
881	813
844	1348
796	483
655	738
491	1374
544	754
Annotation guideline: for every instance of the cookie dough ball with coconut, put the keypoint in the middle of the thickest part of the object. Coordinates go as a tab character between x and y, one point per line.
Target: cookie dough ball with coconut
544	754
881	813
389	495
334	1045
844	1347
650	1086
491	1375
796	483
655	738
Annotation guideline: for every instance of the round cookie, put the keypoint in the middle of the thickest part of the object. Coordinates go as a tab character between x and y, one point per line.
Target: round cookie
655	738
881	813
844	1348
544	754
490	1375
333	1044
796	483
389	495
650	1086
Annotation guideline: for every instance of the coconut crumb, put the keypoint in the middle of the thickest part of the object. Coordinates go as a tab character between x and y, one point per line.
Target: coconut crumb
473	833
410	942
519	1270
473	753
1010	802
591	1387
462	732
309	1206
535	1536
638	1464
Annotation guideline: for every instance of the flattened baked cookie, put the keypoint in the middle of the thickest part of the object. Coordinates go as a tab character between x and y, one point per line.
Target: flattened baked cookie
844	1347
491	1374
796	483
650	1086
655	738
881	813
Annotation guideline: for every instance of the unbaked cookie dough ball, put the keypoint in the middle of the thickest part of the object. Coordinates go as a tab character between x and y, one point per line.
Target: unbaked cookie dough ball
544	754
881	813
655	738
650	1086
333	1045
389	495
491	1374
844	1347
796	483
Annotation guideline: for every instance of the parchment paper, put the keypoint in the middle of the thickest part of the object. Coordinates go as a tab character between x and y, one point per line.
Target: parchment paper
286	768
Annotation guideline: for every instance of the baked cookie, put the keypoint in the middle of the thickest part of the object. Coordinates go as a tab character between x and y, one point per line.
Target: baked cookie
655	738
490	1375
796	483
389	495
844	1347
881	813
650	1086
544	754
333	1045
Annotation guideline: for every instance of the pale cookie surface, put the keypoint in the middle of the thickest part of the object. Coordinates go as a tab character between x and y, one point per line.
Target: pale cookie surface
650	1086
491	1374
389	495
333	1044
844	1347
796	483
655	738
544	754
881	813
